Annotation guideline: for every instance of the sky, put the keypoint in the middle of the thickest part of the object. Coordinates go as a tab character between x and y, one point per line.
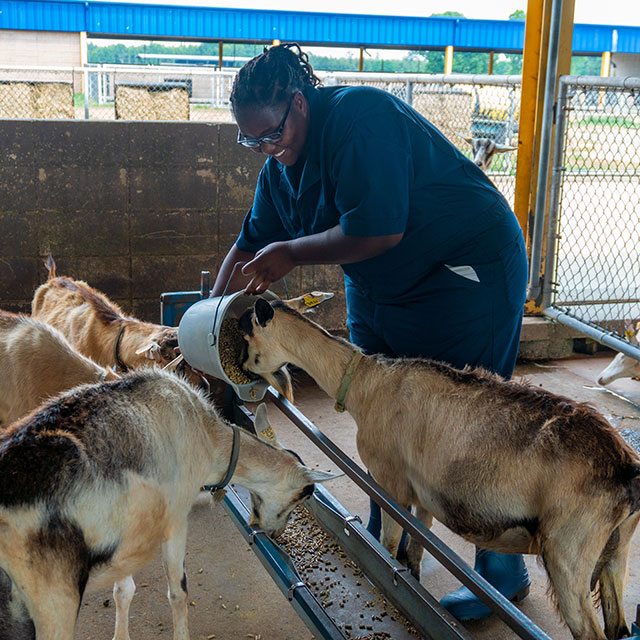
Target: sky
614	12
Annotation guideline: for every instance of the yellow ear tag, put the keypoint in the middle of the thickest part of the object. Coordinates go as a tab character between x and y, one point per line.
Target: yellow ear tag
310	301
629	333
268	433
218	495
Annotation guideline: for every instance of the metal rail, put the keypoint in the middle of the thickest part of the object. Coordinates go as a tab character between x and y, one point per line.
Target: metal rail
284	574
490	596
392	578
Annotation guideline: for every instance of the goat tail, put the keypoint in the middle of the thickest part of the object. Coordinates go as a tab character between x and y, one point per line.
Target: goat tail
50	263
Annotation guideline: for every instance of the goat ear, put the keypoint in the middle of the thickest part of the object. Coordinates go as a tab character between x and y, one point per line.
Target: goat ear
308	301
263	311
151	350
314	476
244	323
280	380
501	148
263	427
173	364
468	139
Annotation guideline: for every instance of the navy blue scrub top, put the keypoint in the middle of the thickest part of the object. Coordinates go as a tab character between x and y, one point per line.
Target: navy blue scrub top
377	167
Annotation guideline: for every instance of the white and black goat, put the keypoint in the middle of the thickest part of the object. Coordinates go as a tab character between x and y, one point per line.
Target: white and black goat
95	481
483	150
507	466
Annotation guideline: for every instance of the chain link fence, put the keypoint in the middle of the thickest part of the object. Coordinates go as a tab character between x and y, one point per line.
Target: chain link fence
110	92
461	106
595	206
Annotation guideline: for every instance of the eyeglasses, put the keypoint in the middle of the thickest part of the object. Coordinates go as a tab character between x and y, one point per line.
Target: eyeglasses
270	138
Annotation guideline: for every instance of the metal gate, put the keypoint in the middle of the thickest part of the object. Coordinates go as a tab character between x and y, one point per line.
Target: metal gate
592	268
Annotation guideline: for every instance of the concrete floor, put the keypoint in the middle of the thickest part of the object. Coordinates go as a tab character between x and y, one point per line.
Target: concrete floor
233	598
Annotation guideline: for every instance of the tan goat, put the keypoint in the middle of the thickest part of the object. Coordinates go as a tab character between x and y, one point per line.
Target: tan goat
96	480
509	467
38	362
99	329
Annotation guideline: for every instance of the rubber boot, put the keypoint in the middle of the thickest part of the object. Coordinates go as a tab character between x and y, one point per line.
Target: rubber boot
506	572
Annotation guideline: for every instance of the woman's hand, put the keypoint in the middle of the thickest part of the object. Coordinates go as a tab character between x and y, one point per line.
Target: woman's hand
270	264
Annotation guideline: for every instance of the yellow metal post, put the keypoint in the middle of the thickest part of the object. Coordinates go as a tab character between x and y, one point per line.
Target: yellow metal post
490	70
534	74
448	60
533	41
605	65
220	57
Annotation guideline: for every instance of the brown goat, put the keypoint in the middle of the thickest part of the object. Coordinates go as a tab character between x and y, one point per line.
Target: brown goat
38	362
99	329
507	466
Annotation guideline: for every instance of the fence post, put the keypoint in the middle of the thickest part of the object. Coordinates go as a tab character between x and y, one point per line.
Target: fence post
410	93
85	92
535	278
557	173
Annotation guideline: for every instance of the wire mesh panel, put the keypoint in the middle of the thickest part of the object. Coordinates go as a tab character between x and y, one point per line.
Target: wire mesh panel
463	107
597	260
158	93
36	93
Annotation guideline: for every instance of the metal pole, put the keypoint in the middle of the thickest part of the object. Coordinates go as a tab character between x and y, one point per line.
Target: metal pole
545	150
409	93
85	92
557	175
602	336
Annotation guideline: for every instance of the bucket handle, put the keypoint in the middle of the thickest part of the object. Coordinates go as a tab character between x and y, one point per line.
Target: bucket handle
226	286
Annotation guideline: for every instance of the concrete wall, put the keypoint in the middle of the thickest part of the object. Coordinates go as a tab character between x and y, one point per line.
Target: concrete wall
41	48
133	208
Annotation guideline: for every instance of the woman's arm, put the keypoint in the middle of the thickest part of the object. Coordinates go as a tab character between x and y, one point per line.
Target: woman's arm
228	269
329	247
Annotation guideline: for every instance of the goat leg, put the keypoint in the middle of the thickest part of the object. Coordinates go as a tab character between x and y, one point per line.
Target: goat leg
123	591
173	552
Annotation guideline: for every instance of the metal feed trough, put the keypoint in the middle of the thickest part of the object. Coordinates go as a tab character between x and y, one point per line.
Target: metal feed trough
316	581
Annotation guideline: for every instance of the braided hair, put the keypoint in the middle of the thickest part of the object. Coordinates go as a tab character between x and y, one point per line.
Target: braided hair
272	77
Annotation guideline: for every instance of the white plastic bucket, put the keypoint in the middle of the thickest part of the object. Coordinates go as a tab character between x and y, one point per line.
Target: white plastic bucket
199	333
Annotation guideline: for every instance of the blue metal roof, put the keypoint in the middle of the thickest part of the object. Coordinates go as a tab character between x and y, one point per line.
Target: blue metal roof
120	19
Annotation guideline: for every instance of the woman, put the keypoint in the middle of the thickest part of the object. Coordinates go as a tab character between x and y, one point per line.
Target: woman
434	260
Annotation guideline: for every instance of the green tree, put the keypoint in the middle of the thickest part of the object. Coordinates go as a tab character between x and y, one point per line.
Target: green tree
585	65
518	14
447	14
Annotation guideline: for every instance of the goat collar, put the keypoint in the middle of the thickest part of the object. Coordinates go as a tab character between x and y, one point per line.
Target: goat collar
119	364
233	461
343	389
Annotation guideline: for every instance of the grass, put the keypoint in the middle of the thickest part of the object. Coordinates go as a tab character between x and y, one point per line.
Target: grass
625	122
